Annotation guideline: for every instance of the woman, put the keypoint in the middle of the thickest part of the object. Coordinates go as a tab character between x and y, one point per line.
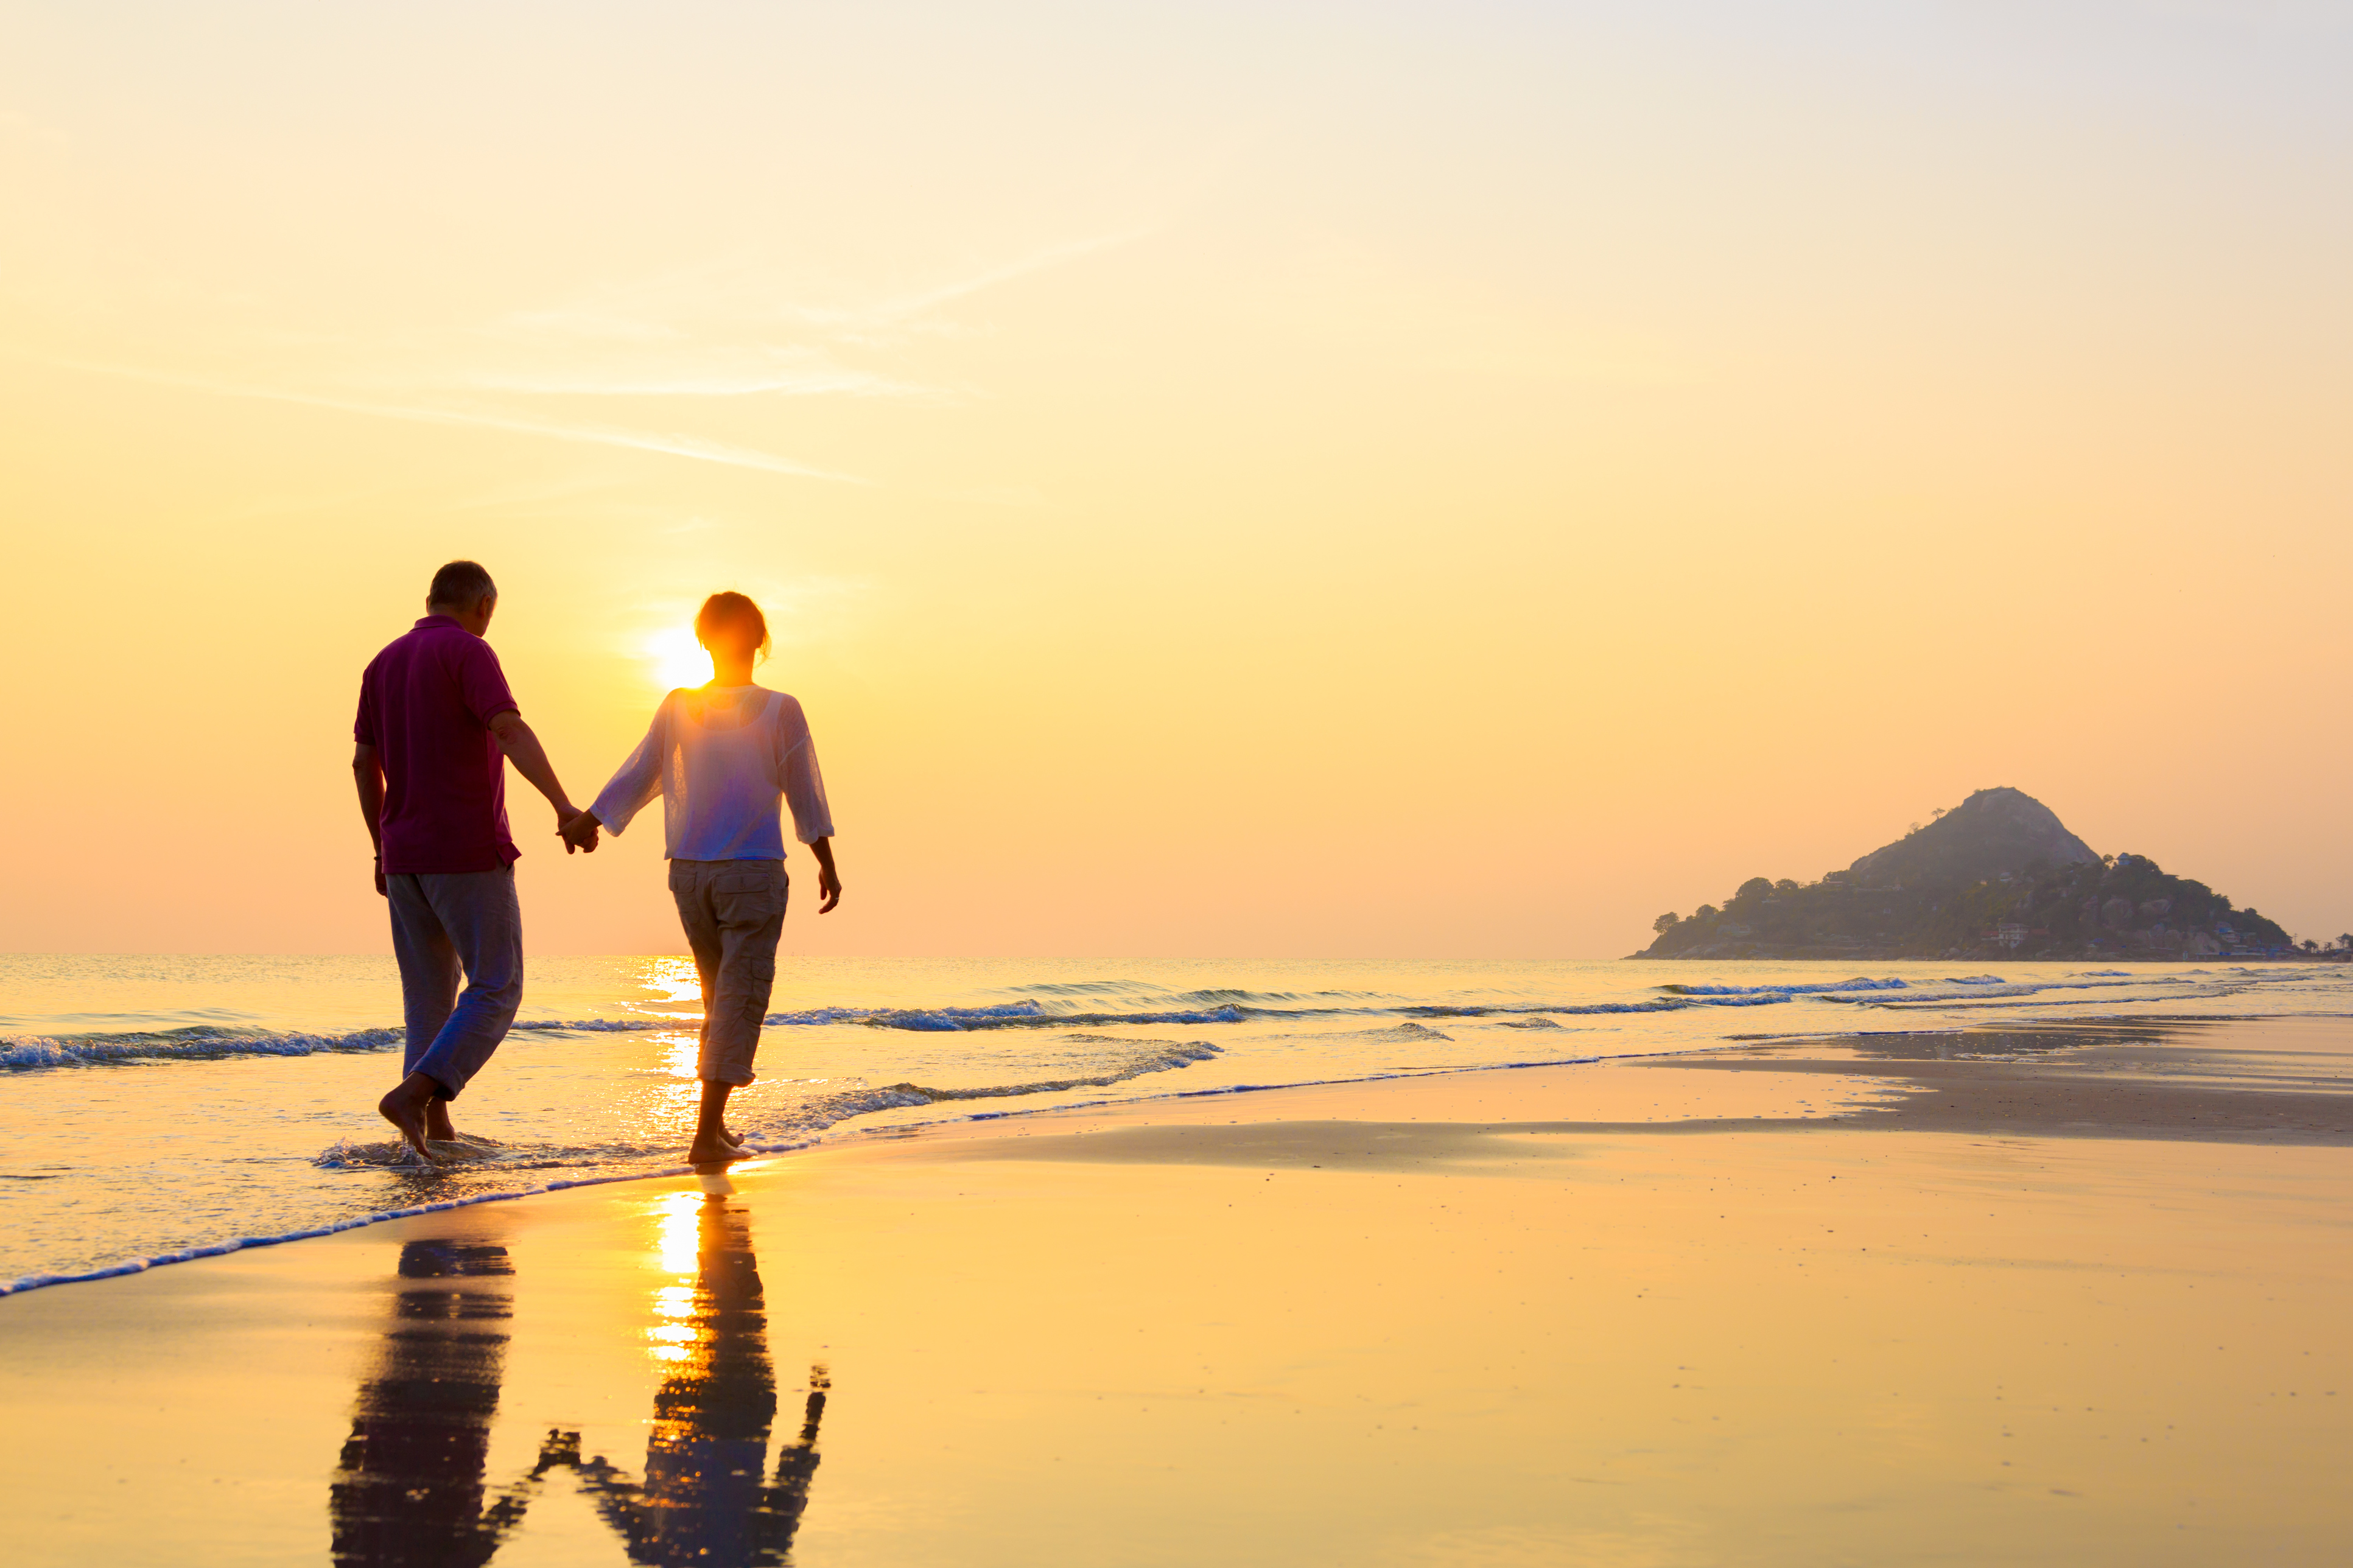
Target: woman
723	757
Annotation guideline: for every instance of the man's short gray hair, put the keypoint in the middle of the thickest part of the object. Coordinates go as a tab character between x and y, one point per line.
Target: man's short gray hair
462	584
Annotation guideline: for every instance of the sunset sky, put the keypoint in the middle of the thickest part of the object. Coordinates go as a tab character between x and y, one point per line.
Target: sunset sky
1228	480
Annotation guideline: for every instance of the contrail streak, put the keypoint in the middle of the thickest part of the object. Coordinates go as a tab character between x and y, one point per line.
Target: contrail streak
589	435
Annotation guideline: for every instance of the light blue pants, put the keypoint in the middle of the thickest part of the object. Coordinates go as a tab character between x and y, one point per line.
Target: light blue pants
445	924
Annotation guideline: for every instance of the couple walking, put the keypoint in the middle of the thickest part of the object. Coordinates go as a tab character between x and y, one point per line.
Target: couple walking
437	726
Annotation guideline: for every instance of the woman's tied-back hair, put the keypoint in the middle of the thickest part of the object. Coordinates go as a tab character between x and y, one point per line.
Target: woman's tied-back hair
731	609
462	584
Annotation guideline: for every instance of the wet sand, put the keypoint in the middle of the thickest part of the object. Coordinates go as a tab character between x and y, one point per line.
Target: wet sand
2059	1297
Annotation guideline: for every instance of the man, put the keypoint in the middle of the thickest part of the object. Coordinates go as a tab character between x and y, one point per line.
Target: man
437	727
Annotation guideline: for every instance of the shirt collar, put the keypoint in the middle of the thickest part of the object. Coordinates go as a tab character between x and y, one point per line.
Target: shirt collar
436	621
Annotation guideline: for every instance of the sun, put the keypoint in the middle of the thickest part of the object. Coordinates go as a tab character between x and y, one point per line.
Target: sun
677	658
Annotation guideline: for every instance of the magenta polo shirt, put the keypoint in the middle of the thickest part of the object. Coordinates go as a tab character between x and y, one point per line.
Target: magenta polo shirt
425	705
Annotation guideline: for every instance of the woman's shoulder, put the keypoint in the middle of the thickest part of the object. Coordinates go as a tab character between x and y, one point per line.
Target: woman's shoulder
784	707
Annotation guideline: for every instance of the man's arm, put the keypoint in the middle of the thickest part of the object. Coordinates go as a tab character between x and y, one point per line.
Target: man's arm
369	774
829	880
530	758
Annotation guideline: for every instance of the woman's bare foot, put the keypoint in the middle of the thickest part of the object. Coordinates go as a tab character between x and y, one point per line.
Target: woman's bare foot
404	1107
714	1141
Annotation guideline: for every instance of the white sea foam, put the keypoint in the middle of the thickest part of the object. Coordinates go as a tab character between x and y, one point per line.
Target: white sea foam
1806	988
221	1248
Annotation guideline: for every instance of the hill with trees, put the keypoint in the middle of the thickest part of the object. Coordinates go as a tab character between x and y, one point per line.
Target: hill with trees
1999	875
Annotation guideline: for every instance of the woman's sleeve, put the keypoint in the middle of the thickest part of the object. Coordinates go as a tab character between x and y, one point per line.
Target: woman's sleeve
639	779
798	776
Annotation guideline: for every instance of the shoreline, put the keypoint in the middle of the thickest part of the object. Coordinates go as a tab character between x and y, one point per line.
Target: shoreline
1978	1098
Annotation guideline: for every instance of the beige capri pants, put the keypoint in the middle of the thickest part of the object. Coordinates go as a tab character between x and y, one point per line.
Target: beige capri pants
734	913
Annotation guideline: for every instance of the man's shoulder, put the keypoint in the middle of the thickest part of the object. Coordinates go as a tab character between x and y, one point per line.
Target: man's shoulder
452	644
425	631
398	649
441	643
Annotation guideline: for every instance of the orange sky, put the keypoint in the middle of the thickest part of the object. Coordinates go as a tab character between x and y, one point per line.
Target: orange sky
1274	479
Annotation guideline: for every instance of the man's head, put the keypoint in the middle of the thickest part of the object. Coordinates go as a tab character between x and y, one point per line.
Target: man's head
463	592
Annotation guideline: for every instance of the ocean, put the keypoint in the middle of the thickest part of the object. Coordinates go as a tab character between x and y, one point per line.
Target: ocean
158	1108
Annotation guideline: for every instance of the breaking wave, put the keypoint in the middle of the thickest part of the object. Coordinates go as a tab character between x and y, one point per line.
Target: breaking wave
26	1053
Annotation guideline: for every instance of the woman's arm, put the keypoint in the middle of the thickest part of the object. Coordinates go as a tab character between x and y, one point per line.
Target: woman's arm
639	779
804	791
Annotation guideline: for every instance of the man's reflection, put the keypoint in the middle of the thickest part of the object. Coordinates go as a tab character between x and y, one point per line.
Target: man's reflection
706	1497
409	1487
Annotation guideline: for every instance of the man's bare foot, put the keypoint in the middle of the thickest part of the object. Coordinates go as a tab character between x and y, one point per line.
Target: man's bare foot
404	1109
437	1125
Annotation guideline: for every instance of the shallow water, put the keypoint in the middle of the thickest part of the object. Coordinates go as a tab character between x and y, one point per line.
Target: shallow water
154	1106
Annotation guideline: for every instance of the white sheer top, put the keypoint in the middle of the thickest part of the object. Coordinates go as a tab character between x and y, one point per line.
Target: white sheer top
725	759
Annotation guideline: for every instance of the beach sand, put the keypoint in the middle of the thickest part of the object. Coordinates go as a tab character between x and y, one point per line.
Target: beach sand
2053	1296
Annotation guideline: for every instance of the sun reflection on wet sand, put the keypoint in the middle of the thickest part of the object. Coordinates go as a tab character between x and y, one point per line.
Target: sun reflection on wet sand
706	1496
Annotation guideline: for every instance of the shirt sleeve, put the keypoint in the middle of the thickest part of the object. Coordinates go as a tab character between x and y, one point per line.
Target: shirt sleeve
639	779
481	683
798	776
364	727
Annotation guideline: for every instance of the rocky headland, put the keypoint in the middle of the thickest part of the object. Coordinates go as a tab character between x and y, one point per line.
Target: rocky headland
1999	875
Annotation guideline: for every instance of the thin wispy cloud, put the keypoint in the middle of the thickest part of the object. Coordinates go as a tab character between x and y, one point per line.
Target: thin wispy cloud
1038	261
669	443
658	331
814	382
728	328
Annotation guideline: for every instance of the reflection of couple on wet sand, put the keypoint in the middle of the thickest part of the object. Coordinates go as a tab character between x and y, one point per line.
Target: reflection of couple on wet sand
410	1487
437	726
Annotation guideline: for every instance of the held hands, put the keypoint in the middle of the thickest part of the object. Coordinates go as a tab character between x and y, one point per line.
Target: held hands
578	831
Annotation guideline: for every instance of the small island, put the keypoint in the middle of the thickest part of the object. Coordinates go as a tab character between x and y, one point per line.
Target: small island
1999	875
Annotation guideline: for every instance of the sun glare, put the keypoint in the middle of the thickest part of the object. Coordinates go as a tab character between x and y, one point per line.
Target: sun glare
677	658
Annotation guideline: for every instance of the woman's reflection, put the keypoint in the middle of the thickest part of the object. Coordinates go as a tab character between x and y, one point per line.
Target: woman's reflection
409	1487
707	1497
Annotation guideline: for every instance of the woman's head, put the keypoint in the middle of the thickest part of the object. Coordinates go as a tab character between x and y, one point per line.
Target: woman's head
730	623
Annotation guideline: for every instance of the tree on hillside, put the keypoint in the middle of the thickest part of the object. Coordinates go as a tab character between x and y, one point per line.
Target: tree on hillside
1665	923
